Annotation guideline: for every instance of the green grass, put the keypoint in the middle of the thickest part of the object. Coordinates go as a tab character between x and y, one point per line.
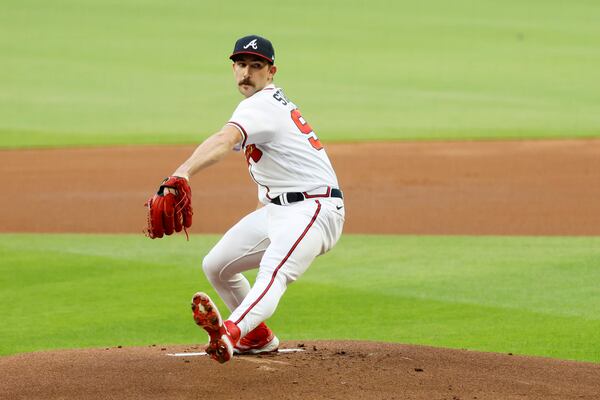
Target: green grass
525	295
131	71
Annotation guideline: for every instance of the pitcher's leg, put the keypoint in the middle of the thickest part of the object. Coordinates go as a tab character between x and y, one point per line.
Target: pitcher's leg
240	249
296	239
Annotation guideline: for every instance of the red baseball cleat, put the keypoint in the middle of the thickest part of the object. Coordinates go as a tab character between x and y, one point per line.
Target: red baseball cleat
222	335
260	340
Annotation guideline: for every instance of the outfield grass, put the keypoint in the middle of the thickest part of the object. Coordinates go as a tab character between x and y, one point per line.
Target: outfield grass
523	295
131	71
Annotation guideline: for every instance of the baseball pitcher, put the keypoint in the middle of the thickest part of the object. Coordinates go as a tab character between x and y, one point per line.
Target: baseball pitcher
300	214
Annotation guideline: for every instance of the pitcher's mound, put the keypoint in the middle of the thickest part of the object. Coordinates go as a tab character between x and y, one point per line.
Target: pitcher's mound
324	369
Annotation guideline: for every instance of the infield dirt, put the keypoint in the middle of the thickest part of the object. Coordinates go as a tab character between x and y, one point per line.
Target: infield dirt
476	188
325	370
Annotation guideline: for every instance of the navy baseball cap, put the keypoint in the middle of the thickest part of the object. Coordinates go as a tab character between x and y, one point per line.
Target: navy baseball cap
254	45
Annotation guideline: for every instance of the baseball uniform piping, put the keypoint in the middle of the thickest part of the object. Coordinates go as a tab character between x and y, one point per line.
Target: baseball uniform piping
258	183
312	221
242	130
312	196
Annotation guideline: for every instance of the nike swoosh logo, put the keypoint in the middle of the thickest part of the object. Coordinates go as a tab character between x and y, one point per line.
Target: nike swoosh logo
339	208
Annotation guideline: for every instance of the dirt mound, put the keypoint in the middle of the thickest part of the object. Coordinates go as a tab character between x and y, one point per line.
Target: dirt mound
332	370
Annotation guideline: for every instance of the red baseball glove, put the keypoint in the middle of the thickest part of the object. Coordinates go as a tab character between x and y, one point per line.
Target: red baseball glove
170	209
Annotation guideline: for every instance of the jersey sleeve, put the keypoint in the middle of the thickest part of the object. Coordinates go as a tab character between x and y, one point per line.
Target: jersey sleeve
254	122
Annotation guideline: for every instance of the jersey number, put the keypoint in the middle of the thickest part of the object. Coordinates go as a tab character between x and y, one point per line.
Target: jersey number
306	129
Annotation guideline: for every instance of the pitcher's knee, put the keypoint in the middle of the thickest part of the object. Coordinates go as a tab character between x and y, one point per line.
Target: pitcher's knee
210	267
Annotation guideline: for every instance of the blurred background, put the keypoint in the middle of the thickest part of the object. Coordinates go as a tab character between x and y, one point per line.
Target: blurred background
76	72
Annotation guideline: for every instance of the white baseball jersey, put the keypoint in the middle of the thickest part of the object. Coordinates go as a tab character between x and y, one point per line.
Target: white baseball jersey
284	155
282	151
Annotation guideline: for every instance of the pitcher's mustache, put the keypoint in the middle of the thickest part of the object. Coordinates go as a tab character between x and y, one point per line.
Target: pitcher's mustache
245	82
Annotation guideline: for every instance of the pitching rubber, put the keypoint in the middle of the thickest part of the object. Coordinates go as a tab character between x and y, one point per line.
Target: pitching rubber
206	315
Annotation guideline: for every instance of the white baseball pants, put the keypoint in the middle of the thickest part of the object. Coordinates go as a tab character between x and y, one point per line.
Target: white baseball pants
282	241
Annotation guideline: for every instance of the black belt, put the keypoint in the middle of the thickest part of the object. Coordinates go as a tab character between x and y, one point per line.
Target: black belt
294	197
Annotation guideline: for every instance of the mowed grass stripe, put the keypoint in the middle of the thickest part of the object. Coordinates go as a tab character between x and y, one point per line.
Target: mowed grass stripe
526	295
108	72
